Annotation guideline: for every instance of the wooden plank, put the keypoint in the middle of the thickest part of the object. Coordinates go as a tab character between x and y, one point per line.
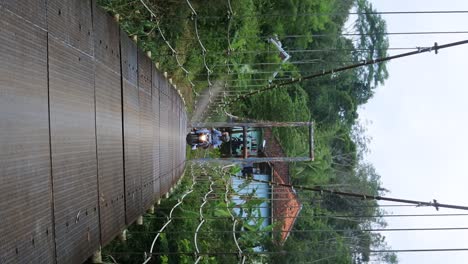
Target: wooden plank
146	129
33	11
156	79
109	129
131	127
106	39
110	152
26	229
70	21
73	141
164	148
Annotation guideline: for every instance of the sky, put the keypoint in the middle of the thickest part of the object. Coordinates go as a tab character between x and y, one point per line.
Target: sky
419	128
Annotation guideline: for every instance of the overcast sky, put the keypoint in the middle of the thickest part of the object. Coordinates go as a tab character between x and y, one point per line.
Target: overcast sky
420	128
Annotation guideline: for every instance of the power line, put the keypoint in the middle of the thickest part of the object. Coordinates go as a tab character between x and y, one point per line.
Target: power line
234	52
251	80
356	206
312	230
320	35
424	12
320	190
312	61
284	252
344	217
247	73
435	48
418	250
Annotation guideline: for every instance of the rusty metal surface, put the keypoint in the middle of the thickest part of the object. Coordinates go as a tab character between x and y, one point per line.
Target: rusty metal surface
131	126
71	22
156	77
26	231
146	129
109	151
73	141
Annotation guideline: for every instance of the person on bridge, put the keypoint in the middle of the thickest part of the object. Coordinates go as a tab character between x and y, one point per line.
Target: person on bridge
217	137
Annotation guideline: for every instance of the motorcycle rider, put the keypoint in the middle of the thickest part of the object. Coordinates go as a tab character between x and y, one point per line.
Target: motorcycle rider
217	137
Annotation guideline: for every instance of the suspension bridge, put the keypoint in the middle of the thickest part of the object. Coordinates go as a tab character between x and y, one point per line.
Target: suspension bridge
92	131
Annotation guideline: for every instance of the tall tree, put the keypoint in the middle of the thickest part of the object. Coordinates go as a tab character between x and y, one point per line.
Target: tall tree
373	39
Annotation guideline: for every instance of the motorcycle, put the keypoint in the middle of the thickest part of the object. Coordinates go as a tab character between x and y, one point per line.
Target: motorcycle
198	138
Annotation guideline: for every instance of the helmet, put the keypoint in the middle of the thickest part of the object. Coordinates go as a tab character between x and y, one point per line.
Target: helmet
225	137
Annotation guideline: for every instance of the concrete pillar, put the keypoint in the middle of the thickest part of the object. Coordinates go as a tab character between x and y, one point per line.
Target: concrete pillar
123	235
97	256
139	220
151	210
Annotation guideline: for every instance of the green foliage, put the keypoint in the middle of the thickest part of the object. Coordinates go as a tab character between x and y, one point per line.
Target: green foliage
372	29
179	234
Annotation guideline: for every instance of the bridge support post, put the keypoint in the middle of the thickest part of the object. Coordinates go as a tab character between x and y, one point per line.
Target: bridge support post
123	235
139	220
151	210
97	256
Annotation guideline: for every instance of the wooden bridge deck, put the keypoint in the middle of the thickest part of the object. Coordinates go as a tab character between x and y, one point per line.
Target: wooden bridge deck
91	134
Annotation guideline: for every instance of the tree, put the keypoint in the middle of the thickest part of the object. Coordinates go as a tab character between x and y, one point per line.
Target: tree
373	39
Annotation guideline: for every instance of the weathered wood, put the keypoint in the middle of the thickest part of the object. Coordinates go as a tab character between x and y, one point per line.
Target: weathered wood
76	137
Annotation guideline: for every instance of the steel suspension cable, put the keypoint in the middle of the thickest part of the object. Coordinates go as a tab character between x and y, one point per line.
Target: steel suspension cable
174	53
170	218
202	220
